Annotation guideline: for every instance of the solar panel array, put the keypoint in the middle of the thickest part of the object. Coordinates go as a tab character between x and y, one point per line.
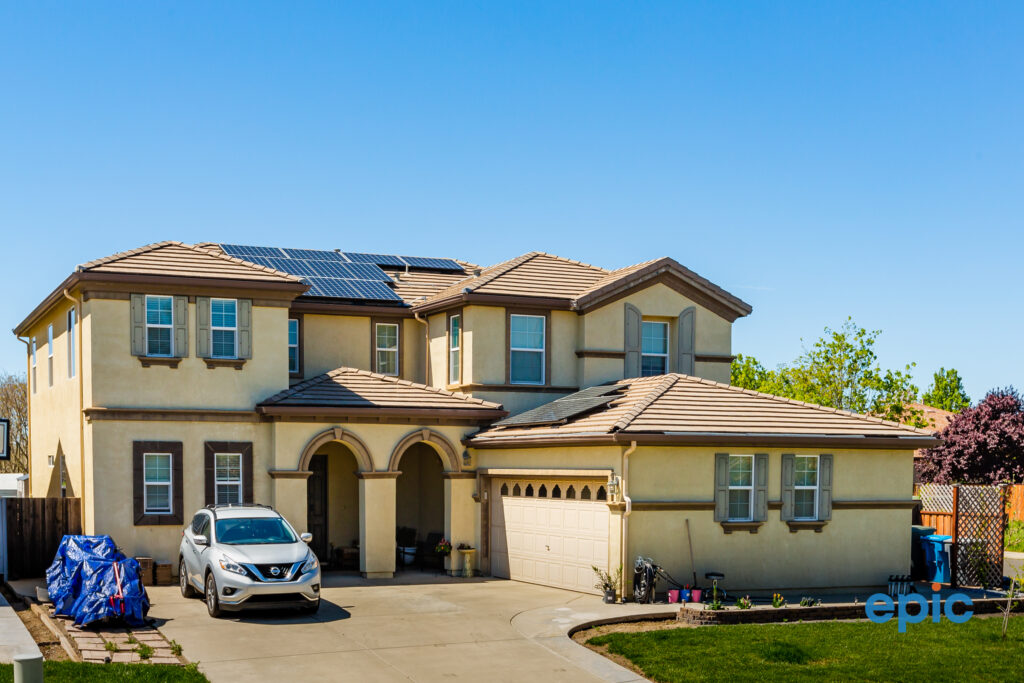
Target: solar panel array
391	260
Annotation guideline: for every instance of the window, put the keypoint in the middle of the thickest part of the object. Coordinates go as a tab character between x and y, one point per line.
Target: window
228	478
454	349
293	346
741	487
71	343
33	365
49	354
224	328
526	349
387	348
159	325
653	348
157	483
805	487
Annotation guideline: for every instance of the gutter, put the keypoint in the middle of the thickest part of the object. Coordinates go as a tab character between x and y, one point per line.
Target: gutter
714	439
80	371
28	402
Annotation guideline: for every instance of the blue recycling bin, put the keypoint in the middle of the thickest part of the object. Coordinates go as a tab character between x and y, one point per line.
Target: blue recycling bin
936	548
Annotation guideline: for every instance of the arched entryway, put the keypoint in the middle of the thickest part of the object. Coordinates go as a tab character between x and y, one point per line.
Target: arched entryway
419	501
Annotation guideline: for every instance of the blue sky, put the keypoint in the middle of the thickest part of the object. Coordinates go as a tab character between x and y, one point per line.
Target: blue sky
818	160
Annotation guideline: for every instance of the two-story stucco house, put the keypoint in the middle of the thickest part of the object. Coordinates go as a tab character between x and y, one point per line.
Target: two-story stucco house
552	414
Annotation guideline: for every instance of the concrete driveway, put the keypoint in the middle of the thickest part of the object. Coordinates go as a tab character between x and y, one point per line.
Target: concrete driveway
414	628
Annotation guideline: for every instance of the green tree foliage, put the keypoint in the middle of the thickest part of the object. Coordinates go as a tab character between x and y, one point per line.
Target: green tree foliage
947	392
839	370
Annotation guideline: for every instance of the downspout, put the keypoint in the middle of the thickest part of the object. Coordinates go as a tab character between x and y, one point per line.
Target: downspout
625	516
27	341
426	346
80	371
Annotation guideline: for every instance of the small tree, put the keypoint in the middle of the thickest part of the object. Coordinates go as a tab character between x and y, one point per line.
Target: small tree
947	392
981	445
14	406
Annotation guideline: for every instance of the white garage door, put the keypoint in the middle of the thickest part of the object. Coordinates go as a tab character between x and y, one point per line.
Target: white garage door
550	532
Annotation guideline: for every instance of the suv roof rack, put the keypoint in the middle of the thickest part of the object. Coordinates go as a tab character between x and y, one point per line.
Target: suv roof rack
217	506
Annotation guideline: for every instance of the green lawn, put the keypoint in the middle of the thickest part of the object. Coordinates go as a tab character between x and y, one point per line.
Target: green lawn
54	672
1014	536
826	651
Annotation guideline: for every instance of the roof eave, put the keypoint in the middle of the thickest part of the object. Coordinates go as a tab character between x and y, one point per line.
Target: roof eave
463	298
479	414
855	442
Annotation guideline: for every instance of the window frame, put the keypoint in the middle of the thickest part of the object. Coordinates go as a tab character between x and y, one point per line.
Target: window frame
803	487
668	345
217	482
298	341
545	363
454	368
221	328
147	325
72	321
169	484
397	350
750	489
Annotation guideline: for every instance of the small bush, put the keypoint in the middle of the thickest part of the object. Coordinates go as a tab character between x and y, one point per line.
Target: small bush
109	646
175	647
1015	536
144	651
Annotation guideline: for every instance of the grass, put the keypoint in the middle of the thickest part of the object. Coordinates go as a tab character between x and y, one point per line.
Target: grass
1015	536
75	672
826	651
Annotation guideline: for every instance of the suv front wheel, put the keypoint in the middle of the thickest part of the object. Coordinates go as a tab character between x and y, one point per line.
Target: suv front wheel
187	591
212	601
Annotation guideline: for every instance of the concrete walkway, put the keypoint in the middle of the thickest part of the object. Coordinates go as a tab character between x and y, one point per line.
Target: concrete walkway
414	628
14	637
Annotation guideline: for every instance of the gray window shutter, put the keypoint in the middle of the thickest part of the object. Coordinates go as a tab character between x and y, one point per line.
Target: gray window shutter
687	340
721	487
825	487
632	343
760	487
787	487
245	328
138	325
181	326
203	326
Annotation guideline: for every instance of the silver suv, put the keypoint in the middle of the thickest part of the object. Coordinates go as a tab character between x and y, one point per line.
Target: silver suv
240	556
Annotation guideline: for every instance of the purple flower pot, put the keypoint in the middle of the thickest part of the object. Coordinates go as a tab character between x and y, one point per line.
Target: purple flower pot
673	595
695	595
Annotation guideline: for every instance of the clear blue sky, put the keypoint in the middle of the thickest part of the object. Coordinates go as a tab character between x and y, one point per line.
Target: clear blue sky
817	159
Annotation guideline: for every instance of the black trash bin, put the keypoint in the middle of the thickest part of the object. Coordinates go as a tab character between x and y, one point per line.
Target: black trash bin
918	564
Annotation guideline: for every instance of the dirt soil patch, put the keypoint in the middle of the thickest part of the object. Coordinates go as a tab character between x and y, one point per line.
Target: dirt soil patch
45	640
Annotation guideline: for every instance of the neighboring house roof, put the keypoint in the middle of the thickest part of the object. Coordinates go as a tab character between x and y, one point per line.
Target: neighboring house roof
682	409
552	279
359	392
937	418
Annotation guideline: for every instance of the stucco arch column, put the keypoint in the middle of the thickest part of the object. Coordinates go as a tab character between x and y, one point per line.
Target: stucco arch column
377	523
461	516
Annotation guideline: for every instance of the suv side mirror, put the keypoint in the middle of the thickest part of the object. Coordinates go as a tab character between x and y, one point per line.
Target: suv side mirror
306	537
199	539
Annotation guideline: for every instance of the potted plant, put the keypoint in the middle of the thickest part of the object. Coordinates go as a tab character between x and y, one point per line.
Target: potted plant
695	594
744	603
778	601
443	547
684	595
607	582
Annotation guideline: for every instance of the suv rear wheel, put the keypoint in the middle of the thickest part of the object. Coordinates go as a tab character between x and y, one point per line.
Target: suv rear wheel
187	591
212	601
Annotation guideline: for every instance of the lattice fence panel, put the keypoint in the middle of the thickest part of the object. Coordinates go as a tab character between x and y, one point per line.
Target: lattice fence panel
980	523
936	497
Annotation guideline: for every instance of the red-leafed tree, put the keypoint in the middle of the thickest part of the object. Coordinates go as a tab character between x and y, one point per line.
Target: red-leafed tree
981	445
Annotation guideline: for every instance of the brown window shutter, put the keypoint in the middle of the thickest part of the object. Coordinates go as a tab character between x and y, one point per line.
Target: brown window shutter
247	493
687	341
209	476
245	328
203	326
760	487
721	487
139	502
138	324
177	494
825	470
632	342
181	326
787	486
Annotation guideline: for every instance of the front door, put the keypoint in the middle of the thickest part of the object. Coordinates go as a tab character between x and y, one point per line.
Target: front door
316	506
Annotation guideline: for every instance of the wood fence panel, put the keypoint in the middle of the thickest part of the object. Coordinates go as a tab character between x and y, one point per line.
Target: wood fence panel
1015	507
35	527
942	521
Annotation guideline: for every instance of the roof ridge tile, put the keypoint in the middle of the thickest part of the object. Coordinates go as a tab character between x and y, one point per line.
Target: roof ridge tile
650	397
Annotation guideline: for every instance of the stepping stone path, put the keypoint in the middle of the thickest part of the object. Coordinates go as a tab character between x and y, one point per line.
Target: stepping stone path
91	642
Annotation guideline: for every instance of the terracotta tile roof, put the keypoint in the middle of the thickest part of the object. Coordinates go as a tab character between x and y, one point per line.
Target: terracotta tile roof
417	284
352	388
680	404
183	260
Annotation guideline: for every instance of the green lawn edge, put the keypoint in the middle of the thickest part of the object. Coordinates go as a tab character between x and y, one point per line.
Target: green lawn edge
59	672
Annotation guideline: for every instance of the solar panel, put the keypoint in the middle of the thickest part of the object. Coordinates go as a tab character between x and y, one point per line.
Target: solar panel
378	259
432	263
349	289
349	271
243	251
313	254
565	408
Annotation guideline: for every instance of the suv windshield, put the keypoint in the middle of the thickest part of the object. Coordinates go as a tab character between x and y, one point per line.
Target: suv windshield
253	531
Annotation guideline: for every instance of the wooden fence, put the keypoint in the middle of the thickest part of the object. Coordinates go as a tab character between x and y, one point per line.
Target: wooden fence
32	532
943	521
1015	504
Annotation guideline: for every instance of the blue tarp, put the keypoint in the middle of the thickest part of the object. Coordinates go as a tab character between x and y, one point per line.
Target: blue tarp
90	579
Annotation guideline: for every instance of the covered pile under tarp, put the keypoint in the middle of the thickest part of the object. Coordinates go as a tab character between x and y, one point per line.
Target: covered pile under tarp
90	579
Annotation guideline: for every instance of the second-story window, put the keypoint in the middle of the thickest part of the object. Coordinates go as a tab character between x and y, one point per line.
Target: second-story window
386	335
454	349
653	348
159	325
71	343
34	365
224	328
526	349
49	354
293	346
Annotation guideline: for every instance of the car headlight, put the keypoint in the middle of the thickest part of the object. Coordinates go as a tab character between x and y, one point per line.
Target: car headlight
229	565
311	563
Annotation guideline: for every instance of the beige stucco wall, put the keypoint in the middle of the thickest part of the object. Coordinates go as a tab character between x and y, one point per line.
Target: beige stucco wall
119	380
438	350
484	361
333	341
